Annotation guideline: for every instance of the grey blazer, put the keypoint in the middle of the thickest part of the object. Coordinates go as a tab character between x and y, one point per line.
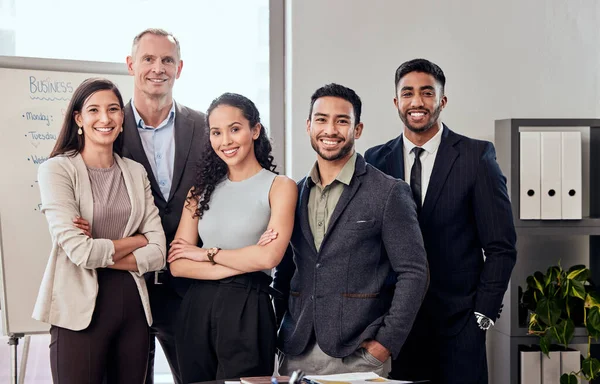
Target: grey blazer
339	291
190	142
67	295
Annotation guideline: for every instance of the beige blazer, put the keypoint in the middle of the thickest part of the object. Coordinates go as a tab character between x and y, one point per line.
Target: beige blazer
67	295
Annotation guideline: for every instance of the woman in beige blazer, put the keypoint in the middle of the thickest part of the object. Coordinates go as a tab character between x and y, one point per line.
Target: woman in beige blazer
93	292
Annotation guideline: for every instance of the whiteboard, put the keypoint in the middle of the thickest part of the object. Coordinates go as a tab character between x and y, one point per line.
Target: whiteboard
35	95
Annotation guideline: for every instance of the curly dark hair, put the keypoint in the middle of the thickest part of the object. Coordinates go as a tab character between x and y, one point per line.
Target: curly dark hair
212	170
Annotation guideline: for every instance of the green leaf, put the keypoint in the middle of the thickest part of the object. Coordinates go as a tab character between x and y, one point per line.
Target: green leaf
566	288
593	322
568	378
564	331
578	272
552	274
534	283
548	311
545	342
592	300
577	289
590	368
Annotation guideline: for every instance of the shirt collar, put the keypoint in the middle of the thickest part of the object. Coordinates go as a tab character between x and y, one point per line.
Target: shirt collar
140	122
345	175
430	147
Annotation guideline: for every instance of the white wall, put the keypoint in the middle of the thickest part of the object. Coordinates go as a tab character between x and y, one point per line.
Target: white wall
502	59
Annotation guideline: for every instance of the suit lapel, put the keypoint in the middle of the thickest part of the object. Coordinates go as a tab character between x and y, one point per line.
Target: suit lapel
86	197
303	213
347	195
395	159
133	145
444	161
184	133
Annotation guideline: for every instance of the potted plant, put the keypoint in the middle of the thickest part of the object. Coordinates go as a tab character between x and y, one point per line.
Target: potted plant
558	301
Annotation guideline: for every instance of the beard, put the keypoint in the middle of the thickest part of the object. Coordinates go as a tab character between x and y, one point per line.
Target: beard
433	118
341	153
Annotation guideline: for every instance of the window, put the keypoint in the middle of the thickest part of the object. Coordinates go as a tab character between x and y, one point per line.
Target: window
224	44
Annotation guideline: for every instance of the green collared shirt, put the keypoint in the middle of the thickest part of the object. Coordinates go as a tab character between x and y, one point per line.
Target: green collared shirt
323	199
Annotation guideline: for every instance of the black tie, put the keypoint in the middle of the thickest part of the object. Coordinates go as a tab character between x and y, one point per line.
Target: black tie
415	177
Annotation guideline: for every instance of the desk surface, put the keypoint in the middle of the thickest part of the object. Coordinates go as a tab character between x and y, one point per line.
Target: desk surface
223	381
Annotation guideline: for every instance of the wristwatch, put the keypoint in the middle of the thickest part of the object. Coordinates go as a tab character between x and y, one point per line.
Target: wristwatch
211	253
483	321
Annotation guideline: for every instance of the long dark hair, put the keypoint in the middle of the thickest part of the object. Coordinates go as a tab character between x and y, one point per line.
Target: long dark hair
213	170
69	141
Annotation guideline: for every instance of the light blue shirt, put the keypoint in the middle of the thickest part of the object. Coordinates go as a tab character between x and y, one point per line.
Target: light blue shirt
159	146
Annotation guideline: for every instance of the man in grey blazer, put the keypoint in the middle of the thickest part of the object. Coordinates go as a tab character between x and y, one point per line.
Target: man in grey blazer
167	138
355	229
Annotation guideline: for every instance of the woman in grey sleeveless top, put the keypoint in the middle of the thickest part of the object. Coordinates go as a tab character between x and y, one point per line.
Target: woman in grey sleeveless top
244	215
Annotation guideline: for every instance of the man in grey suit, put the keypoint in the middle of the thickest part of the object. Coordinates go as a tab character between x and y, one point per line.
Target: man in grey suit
167	138
355	228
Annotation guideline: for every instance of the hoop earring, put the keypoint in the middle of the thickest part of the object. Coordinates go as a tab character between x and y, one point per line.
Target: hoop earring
80	131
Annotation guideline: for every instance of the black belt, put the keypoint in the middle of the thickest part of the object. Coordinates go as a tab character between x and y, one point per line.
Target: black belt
254	280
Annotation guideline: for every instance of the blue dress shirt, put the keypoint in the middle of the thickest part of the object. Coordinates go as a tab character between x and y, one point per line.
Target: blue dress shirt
159	146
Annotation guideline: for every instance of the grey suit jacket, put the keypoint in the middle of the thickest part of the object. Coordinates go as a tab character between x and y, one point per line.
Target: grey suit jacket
339	291
190	142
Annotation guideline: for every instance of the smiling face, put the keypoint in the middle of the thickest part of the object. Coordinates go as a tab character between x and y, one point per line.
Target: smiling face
155	66
419	101
231	136
332	128
101	119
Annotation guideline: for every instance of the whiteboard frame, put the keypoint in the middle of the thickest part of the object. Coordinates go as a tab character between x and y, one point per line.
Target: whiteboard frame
39	64
60	65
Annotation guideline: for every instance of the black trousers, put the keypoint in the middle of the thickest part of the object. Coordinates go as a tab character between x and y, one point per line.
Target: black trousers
227	329
458	359
165	304
115	343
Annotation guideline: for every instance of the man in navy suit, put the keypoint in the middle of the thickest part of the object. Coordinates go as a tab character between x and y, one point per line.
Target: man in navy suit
464	209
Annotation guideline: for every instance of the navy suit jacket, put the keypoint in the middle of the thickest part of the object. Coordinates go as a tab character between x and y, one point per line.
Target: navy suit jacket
466	210
190	141
340	290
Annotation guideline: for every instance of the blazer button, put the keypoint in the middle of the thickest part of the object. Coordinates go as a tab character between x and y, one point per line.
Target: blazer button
312	297
167	211
318	265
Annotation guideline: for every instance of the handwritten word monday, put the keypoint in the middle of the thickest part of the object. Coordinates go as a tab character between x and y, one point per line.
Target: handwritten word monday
38	116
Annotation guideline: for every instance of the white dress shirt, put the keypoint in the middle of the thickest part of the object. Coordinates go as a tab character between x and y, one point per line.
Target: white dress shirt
427	160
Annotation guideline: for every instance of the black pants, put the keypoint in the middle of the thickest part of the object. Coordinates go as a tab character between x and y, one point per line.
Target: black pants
165	304
115	342
227	329
458	359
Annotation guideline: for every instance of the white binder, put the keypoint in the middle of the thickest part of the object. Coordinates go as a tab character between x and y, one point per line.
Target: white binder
570	361
530	178
531	367
571	175
551	196
551	366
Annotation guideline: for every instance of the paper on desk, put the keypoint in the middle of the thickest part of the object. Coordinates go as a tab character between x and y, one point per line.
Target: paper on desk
353	378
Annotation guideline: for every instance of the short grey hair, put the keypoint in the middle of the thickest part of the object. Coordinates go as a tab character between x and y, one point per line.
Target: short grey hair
157	32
